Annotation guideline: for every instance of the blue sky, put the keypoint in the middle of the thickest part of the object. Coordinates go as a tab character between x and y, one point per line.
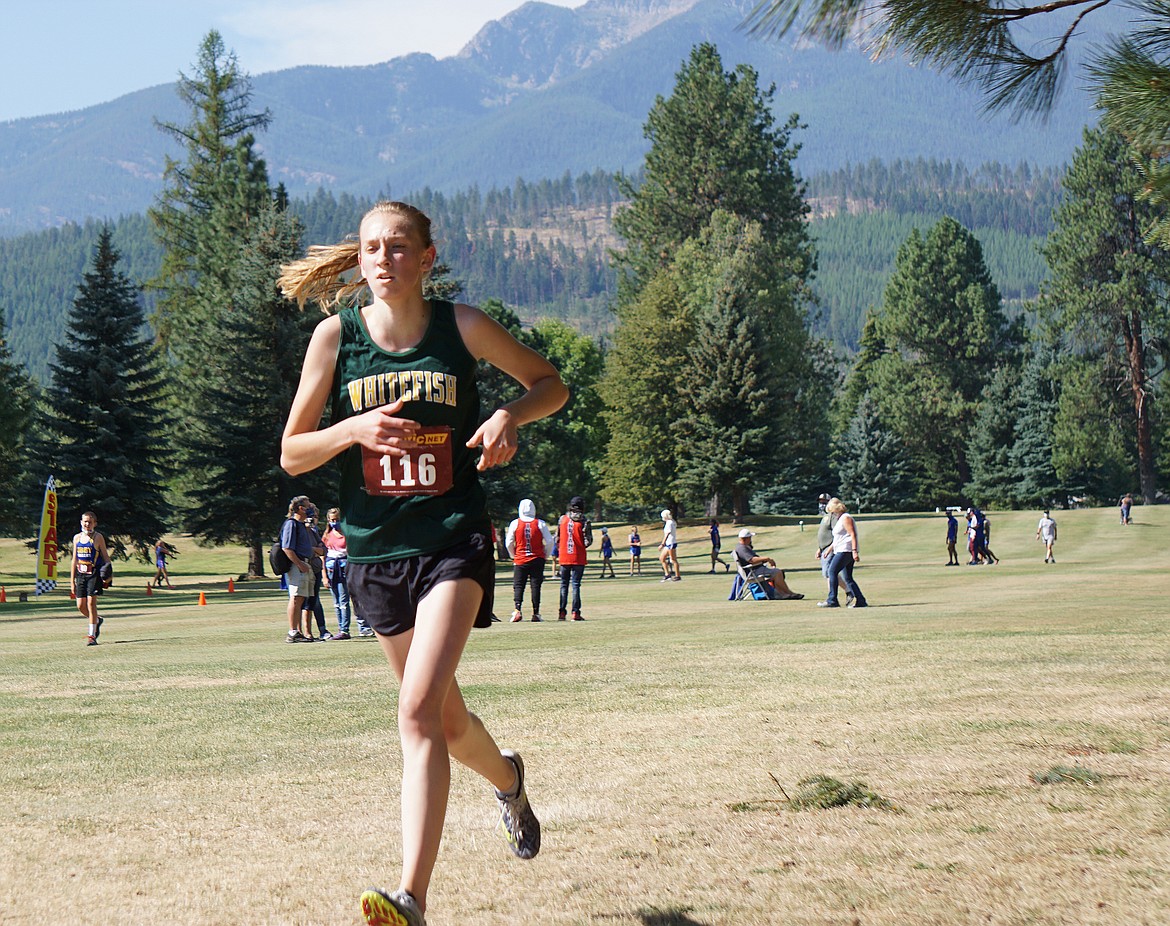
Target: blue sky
60	55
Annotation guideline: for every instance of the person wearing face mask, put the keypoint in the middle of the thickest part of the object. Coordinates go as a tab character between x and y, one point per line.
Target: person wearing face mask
336	560
85	579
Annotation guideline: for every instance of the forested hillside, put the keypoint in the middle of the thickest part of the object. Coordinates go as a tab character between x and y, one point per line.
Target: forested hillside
543	248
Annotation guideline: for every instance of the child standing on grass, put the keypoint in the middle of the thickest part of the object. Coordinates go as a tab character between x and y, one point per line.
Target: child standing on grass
400	376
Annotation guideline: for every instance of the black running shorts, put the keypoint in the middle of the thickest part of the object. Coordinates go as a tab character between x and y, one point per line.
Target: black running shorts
387	594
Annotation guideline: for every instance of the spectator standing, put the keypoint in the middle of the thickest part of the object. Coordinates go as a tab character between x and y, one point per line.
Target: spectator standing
1126	507
985	539
846	553
974	541
606	555
336	562
825	544
952	538
298	547
527	540
635	551
1046	531
85	579
574	536
668	548
716	543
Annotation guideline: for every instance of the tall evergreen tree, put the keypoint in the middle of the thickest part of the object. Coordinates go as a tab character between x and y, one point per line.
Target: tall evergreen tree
736	386
207	198
232	437
101	427
1108	297
994	477
941	331
640	391
1032	440
17	395
873	469
1092	450
714	146
232	340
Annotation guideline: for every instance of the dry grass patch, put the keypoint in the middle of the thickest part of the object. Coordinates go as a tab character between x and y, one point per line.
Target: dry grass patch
192	768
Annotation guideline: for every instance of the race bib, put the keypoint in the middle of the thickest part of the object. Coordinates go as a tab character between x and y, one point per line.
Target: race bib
424	470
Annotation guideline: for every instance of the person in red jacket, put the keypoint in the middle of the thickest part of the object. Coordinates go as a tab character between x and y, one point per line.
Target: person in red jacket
574	535
528	541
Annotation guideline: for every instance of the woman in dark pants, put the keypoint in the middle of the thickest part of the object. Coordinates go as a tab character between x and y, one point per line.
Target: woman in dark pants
846	552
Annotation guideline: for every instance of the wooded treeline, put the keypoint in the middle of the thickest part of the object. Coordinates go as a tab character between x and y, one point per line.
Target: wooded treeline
1013	363
543	248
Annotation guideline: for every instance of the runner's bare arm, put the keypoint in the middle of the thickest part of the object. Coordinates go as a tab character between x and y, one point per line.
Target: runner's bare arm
545	392
305	445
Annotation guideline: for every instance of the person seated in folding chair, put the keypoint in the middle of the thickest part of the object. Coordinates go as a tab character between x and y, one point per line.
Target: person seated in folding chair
762	568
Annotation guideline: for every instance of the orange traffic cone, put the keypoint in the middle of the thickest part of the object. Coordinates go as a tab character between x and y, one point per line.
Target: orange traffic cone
148	591
202	598
3	595
231	584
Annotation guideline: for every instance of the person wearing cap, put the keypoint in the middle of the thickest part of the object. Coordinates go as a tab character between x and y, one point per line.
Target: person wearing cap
762	567
668	549
822	500
574	536
528	541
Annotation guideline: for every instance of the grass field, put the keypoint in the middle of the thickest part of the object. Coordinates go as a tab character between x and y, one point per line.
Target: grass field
193	769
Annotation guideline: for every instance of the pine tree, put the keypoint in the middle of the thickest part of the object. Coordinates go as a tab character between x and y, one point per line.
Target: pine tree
1108	296
937	338
640	389
1092	452
1032	440
207	198
994	476
714	147
17	394
729	439
873	470
232	437
102	425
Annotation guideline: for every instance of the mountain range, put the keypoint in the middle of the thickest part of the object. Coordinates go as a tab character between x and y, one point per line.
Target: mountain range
539	92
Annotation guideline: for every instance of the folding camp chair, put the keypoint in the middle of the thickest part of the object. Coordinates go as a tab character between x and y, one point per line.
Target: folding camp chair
750	585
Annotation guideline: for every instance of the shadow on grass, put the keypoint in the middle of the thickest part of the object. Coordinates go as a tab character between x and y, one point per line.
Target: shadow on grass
673	917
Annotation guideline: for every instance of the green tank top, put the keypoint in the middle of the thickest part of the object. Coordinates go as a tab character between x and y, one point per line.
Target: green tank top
438	378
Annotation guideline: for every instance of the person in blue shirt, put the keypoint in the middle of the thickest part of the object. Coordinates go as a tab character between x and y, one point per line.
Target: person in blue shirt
716	543
952	538
606	555
298	547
